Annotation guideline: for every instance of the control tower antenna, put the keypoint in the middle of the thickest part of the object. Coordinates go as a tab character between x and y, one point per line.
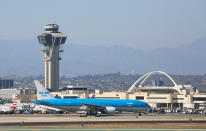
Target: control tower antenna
51	40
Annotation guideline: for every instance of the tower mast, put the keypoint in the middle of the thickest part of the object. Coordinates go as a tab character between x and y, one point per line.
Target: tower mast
52	40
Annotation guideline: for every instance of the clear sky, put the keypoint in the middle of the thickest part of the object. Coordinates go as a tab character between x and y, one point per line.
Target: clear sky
140	24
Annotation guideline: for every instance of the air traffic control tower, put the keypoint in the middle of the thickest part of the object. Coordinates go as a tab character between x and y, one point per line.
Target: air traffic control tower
52	40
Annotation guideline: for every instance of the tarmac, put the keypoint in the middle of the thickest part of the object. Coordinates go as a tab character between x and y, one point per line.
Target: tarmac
117	121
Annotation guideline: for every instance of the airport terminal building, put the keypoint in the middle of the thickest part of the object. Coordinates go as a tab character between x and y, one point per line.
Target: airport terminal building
158	96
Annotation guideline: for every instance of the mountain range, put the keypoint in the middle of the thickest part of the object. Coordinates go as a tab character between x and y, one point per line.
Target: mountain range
23	57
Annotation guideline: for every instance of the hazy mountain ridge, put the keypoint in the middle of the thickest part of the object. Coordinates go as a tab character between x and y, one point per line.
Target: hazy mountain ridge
25	58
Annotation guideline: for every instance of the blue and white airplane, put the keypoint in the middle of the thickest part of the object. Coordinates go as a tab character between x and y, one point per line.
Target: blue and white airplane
90	106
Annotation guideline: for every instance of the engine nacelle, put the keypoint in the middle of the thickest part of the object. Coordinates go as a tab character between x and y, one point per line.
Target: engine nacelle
110	110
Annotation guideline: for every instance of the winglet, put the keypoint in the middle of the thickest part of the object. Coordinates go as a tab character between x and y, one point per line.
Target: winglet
42	92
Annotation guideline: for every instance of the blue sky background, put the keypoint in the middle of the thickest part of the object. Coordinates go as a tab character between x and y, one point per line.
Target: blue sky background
140	24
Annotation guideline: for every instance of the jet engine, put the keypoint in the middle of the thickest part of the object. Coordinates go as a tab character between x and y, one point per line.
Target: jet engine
110	110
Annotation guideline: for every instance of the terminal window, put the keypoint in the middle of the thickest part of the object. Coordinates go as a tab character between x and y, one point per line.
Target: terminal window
139	97
156	98
70	97
178	98
77	88
199	99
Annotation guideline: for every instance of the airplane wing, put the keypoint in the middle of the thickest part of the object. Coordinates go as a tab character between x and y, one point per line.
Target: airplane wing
44	102
41	102
93	106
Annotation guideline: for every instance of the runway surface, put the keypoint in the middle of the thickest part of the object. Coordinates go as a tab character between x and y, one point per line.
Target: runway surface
34	129
122	121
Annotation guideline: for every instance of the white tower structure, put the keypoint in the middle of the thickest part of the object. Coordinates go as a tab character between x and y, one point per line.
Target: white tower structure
52	40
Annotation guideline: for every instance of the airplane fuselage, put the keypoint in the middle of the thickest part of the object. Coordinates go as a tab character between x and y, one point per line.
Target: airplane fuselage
80	104
6	109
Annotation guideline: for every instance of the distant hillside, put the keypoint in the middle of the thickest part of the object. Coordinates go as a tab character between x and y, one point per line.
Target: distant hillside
25	58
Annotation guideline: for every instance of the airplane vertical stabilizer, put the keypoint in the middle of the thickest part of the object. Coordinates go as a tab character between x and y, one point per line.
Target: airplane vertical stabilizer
42	92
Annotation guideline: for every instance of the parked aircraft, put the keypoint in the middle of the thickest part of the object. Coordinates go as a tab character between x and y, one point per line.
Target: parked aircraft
44	109
8	108
90	106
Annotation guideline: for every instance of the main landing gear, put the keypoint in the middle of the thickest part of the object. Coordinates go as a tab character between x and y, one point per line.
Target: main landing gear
138	114
93	113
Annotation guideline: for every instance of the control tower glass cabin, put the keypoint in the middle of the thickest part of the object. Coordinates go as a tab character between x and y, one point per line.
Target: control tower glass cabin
51	40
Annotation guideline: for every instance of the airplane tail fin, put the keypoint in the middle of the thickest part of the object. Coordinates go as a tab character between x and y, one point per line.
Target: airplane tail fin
14	103
42	92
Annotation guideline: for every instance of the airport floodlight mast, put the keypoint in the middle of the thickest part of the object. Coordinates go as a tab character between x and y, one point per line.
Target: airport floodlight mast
52	40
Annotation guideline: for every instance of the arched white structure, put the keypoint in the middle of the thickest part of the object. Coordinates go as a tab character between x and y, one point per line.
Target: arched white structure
143	78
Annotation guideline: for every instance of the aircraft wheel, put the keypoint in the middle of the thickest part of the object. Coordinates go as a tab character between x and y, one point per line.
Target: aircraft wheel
136	115
140	113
